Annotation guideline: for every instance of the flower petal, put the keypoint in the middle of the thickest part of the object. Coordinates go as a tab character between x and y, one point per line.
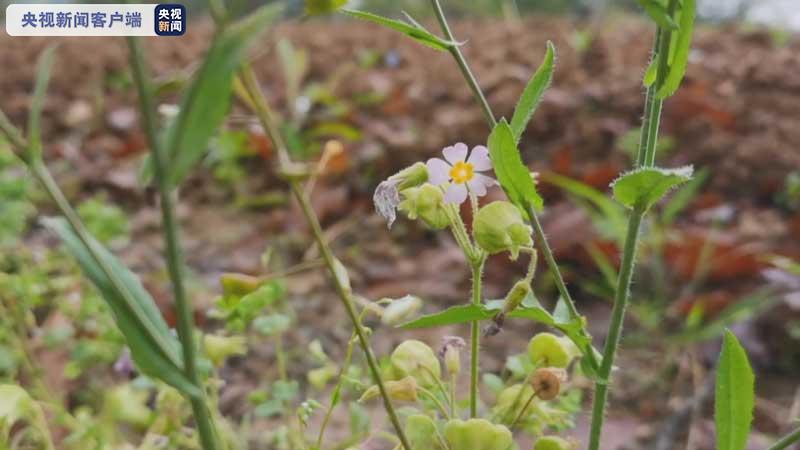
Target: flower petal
456	193
455	153
438	171
479	158
478	184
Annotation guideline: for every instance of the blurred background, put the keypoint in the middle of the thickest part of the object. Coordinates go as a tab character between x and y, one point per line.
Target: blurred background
365	102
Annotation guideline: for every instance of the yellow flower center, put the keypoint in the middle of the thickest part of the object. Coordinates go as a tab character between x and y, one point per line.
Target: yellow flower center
461	172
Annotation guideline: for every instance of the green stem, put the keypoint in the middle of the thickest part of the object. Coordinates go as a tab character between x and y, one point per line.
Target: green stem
264	113
522	411
647	147
786	441
185	325
336	390
615	327
435	401
475	335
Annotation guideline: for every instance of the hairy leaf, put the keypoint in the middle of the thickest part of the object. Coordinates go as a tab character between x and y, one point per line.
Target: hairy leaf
513	175
532	95
154	349
451	316
679	50
642	188
734	401
415	31
206	100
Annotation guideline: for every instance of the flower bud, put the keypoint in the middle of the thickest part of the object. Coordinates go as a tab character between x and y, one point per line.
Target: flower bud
498	227
553	443
404	390
238	284
451	353
416	359
387	194
550	350
320	376
219	348
546	382
476	434
427	204
511	400
401	310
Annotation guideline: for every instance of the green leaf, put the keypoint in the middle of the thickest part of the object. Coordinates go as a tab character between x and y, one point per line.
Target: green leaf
154	349
657	12
205	102
43	68
532	95
414	31
734	401
315	7
451	316
642	188
679	50
513	175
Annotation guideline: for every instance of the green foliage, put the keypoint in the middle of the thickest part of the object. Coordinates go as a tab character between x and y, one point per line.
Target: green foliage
205	102
154	349
43	68
735	398
642	188
15	188
513	175
315	7
413	30
679	49
18	406
533	93
239	311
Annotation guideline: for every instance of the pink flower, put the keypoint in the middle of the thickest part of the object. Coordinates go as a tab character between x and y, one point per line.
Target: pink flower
461	172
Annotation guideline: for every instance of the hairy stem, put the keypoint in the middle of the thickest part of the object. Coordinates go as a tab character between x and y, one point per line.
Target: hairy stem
786	441
475	336
185	325
615	327
646	158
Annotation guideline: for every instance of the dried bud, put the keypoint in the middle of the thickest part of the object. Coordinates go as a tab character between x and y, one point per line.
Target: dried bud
546	382
427	204
404	390
476	434
401	310
451	353
549	350
219	348
387	194
416	359
498	227
553	443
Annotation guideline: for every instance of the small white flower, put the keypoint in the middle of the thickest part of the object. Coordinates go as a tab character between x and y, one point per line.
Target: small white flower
461	172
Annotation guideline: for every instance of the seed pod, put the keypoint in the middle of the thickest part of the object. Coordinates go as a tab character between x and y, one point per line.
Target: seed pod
401	310
553	443
498	227
414	358
426	203
476	434
546	383
404	390
550	350
511	400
